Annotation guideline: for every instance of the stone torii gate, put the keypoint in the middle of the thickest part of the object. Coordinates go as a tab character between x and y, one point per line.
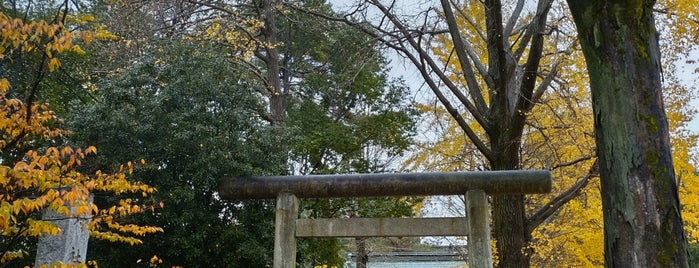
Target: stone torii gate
474	185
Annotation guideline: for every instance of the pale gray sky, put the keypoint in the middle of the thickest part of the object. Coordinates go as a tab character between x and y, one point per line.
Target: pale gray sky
404	69
688	74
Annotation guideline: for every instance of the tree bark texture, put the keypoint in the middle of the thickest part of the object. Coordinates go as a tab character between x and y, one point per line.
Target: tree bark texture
362	252
277	96
505	135
642	221
509	218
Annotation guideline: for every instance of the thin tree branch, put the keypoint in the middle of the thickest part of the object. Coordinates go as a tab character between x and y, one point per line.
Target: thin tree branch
433	65
546	211
523	42
674	14
572	162
424	63
479	65
524	103
470	21
513	19
460	47
424	57
543	85
212	6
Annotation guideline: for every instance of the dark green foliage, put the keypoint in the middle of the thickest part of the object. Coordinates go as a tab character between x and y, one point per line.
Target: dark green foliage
345	114
186	111
693	255
194	115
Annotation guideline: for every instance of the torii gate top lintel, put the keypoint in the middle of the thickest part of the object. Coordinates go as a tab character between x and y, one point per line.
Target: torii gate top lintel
387	184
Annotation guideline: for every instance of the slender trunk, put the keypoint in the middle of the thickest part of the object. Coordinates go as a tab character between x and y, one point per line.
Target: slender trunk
362	253
642	221
277	97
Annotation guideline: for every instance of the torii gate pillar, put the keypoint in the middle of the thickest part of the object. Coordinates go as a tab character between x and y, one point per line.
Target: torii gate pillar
285	231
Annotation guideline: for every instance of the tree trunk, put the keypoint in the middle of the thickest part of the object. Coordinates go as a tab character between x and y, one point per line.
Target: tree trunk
509	218
508	230
277	97
507	116
642	221
362	253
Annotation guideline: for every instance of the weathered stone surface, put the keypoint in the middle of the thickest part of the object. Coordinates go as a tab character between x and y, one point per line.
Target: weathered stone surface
285	231
387	184
479	248
475	185
68	246
381	227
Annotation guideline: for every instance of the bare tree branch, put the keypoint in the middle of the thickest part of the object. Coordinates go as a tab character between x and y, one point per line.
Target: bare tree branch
425	58
424	63
546	211
470	21
513	18
572	162
478	64
460	47
543	85
524	104
674	14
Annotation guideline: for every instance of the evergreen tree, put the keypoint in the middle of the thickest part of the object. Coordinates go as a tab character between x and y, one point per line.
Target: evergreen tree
186	111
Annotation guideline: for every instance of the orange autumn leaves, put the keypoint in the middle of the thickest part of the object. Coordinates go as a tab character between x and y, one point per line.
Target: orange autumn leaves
34	178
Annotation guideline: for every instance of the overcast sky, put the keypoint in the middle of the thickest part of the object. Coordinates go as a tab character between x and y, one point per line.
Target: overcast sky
404	69
688	74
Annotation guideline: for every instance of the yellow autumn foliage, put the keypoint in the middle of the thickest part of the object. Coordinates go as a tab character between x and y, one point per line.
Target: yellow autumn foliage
237	32
49	178
679	24
559	136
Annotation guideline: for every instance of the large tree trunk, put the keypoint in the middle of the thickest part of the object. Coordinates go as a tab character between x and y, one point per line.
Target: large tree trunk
508	229
509	218
642	222
505	135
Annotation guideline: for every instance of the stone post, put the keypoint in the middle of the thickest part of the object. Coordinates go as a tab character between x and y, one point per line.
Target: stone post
480	255
68	246
285	231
